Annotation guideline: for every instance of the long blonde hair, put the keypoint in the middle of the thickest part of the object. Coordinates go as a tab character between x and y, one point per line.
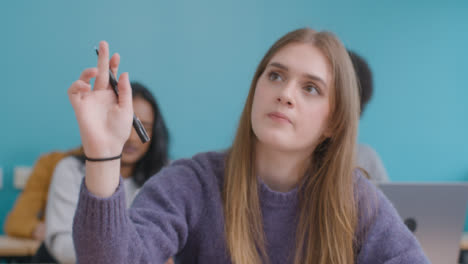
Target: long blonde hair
327	218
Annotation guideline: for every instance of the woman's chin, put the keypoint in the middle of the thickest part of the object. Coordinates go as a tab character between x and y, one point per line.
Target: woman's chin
275	143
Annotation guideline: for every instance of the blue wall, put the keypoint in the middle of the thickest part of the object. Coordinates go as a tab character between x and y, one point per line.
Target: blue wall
198	58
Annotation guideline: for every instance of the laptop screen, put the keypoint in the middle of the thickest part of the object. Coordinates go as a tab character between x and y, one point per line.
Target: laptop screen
434	212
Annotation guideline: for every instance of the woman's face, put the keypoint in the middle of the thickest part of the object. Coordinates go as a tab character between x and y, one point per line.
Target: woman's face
291	103
133	149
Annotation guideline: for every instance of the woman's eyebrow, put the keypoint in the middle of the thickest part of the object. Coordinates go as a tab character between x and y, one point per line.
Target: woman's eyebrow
279	65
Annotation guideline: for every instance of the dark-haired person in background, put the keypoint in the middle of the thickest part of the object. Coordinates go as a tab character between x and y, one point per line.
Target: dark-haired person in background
139	162
367	157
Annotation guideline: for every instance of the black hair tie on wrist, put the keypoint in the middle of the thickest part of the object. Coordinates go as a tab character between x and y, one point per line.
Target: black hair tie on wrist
103	159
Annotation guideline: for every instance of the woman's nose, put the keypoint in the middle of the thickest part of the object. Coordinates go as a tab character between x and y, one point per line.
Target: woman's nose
286	95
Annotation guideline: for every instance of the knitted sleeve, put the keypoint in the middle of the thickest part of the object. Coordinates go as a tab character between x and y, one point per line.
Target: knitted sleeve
154	229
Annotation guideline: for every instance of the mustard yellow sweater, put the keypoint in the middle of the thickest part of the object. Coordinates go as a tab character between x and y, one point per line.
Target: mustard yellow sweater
29	208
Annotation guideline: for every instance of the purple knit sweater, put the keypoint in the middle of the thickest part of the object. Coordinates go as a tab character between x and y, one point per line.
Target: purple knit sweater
179	213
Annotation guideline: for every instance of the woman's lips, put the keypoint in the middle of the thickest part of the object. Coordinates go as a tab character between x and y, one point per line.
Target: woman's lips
280	117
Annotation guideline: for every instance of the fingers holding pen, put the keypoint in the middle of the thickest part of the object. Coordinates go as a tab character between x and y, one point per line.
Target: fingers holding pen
80	88
102	79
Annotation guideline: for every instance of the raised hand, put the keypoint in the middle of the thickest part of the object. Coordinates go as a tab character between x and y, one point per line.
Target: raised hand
104	120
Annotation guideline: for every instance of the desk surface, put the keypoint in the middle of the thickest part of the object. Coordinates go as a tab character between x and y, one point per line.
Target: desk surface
11	246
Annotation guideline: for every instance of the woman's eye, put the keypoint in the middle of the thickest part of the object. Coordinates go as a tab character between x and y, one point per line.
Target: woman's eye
311	89
273	76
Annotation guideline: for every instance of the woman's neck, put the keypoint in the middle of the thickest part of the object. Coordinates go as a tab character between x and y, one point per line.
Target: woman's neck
126	170
280	170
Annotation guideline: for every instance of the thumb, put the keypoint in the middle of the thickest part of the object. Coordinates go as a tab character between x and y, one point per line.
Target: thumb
125	91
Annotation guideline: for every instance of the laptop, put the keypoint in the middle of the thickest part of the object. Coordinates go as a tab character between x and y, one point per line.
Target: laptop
435	213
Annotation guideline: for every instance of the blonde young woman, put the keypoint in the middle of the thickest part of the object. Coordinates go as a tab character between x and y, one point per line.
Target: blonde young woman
285	192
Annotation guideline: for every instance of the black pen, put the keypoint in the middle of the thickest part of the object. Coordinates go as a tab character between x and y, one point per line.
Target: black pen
139	128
